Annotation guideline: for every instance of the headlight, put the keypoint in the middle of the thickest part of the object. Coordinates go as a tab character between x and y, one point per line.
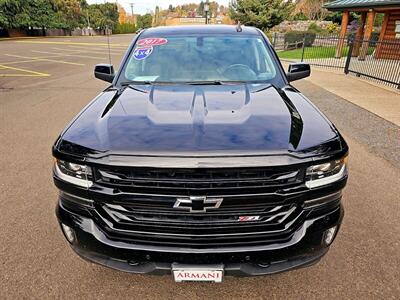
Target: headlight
74	173
326	173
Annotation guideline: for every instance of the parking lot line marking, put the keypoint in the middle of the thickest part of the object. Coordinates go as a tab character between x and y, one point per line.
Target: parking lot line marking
75	55
21	75
30	73
85	51
18	62
46	59
120	48
73	43
99	49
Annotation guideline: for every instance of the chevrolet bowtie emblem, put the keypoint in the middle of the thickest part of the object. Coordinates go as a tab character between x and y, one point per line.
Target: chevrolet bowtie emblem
197	204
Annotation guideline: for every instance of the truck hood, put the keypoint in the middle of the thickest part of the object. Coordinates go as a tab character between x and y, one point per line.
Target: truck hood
149	119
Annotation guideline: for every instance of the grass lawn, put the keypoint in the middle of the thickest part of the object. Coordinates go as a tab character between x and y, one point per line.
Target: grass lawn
315	52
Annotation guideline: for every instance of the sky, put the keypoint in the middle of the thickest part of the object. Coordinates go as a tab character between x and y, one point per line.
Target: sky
144	6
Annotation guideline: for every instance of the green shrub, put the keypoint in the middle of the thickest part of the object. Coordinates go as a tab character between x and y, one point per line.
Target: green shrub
375	36
313	27
332	28
268	34
300	17
124	28
294	39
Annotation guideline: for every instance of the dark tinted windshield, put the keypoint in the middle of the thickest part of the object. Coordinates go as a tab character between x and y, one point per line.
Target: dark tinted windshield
200	58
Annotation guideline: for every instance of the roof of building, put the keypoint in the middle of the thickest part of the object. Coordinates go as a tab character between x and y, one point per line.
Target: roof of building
343	4
199	29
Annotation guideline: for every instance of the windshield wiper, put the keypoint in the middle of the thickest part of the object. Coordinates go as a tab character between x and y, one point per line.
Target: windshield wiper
213	82
205	82
147	82
133	82
197	82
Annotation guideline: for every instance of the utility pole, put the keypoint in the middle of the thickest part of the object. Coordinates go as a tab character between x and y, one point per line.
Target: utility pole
131	4
156	16
133	18
206	9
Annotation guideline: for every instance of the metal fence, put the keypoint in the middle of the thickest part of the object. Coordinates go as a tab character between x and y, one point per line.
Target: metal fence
375	60
317	50
380	62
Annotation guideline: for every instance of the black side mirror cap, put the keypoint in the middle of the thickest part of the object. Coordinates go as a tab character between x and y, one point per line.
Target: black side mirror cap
104	72
298	71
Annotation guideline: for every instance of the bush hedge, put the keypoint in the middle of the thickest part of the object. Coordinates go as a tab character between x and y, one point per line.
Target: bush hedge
313	27
269	35
294	39
124	28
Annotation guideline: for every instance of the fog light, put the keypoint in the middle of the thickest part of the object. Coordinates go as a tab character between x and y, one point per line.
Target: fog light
68	232
329	235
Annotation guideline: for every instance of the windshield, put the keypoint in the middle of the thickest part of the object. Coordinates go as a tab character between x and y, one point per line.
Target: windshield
199	59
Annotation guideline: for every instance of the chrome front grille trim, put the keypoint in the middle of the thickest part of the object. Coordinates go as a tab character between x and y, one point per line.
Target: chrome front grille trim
284	215
179	206
286	227
183	182
119	213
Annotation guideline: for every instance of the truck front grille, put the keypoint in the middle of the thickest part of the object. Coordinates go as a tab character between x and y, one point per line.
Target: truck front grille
142	207
191	181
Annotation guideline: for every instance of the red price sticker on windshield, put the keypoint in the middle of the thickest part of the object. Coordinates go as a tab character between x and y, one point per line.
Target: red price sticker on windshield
152	42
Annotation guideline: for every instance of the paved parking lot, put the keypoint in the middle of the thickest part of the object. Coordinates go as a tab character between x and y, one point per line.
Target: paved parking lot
45	82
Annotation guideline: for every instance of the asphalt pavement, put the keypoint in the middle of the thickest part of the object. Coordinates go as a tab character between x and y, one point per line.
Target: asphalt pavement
45	82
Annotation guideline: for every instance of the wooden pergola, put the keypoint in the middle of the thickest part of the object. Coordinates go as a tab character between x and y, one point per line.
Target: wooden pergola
368	9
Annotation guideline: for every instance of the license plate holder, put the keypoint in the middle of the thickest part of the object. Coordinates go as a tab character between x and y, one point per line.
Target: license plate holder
197	273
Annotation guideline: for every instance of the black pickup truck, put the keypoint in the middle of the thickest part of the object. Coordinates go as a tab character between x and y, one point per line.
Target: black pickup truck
200	160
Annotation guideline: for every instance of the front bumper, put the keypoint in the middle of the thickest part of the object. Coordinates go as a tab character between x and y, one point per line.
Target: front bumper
305	248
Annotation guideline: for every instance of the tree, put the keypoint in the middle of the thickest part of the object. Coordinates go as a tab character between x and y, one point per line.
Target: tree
24	14
263	14
213	8
110	13
42	14
3	19
65	14
312	9
200	9
10	12
336	17
103	15
144	21
68	14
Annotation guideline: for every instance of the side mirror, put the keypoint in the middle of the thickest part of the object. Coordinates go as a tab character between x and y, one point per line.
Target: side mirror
298	71
104	72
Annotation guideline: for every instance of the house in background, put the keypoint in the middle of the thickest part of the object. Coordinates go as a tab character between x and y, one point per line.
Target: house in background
390	32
